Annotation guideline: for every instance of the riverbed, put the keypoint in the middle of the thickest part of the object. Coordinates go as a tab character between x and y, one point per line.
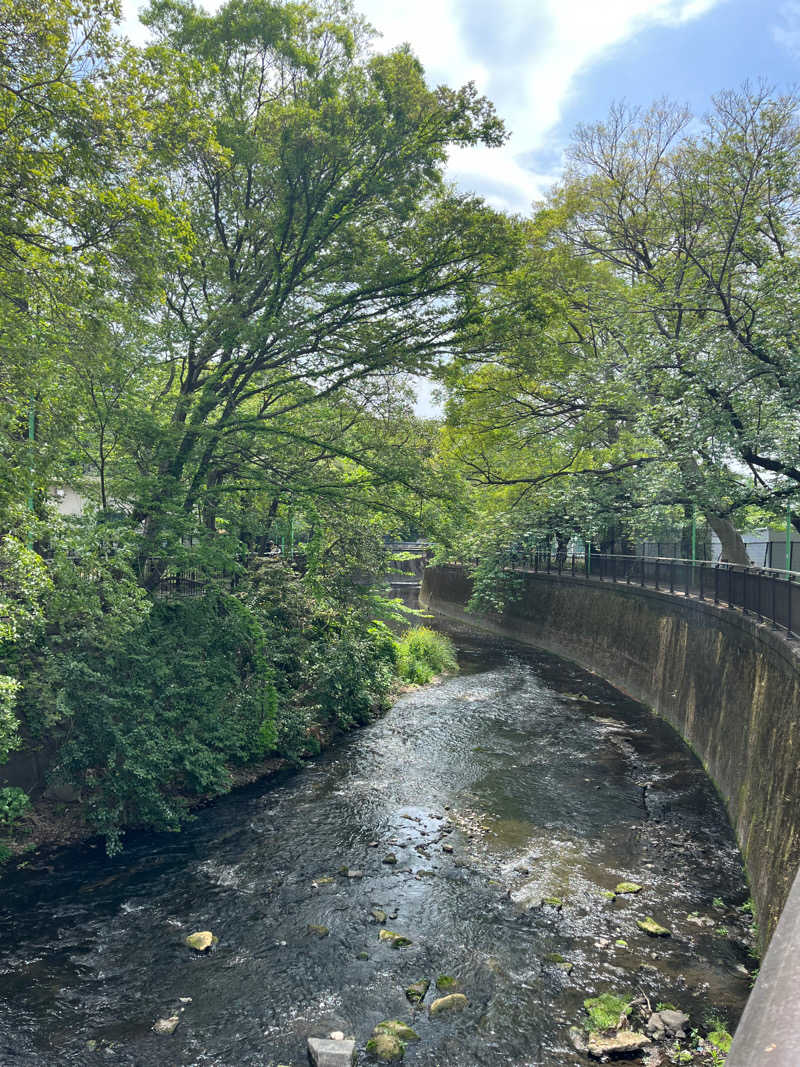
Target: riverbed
513	798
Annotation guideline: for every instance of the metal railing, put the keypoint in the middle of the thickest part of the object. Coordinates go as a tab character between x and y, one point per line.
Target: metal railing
768	594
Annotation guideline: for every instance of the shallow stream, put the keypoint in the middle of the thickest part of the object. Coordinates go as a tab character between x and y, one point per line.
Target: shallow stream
521	779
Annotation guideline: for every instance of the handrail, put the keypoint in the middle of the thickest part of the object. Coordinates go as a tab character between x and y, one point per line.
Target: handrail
768	594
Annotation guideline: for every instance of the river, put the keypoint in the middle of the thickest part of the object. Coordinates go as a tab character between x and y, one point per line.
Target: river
522	778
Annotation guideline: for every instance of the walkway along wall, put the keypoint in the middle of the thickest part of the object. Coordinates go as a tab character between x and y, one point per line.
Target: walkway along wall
729	685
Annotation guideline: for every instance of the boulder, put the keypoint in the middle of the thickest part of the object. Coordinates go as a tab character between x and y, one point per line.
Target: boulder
628	887
453	1002
417	990
651	927
445	983
325	1052
623	1043
386	1048
201	941
669	1022
318	931
166	1026
395	940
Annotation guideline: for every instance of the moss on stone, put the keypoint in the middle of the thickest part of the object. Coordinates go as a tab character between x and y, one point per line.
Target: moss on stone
395	940
396	1029
605	1011
651	927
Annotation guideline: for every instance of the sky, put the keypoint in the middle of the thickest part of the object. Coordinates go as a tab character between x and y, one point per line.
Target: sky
549	65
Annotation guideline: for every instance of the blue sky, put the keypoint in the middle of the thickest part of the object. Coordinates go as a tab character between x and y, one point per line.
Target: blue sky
550	64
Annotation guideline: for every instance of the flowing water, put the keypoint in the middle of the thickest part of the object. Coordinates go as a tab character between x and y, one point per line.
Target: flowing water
522	778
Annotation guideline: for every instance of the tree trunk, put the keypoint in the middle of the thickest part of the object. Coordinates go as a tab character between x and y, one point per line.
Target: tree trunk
733	547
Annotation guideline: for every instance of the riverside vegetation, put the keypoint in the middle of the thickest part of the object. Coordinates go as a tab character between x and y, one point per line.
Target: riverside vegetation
148	706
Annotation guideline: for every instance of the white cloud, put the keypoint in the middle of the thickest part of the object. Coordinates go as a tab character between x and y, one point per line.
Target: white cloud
524	54
554	40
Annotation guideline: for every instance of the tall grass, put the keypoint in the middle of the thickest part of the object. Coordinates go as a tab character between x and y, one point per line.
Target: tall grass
422	653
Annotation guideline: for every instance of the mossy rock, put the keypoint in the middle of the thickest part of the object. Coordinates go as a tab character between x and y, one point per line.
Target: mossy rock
651	927
555	957
202	941
395	940
605	1011
621	942
318	930
396	1029
417	990
628	887
379	915
386	1048
453	1002
553	902
445	983
609	895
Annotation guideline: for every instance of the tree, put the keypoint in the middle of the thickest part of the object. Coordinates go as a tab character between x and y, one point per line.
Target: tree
327	248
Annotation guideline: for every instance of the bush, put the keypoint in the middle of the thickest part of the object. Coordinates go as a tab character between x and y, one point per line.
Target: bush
422	653
13	805
158	716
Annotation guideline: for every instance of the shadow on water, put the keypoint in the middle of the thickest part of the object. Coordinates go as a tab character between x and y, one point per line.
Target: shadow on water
520	779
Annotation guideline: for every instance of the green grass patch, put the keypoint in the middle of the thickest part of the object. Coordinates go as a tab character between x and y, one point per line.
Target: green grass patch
605	1011
423	653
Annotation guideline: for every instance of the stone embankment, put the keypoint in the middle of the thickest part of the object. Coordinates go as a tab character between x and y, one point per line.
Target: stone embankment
727	683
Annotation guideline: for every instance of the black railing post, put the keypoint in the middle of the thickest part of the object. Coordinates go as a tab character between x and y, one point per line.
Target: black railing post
774	615
730	584
573	564
716	582
672	576
702	571
656	571
613	568
688	577
548	560
642	574
744	591
789	604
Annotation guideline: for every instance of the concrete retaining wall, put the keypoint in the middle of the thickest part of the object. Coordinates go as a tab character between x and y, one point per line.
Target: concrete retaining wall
728	684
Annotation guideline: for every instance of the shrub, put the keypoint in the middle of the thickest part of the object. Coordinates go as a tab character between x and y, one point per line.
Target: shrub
13	804
422	653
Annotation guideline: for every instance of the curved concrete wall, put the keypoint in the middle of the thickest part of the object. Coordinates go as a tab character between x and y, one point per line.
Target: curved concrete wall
729	685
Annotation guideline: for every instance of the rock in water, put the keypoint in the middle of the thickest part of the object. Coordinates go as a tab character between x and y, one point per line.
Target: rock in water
395	940
325	1052
201	941
166	1026
417	990
628	887
623	1043
453	1002
397	1029
651	927
386	1047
